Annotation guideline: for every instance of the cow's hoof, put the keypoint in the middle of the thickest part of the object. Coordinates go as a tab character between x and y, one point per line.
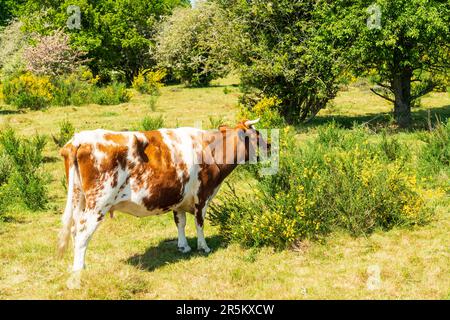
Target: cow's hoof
74	281
185	249
206	249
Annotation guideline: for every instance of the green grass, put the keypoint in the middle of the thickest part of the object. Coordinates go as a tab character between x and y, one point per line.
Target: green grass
137	258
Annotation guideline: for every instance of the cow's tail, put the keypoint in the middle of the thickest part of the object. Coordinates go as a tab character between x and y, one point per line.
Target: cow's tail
69	153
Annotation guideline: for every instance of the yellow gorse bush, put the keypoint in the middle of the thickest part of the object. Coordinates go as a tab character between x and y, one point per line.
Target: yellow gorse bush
28	91
149	82
339	180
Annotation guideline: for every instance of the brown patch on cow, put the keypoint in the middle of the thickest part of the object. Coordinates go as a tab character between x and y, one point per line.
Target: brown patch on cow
89	173
158	174
82	221
69	153
116	138
114	155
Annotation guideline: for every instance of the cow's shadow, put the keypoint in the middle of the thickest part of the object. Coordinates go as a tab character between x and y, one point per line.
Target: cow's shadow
166	252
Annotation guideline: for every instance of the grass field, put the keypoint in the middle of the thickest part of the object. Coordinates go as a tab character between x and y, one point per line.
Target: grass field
138	259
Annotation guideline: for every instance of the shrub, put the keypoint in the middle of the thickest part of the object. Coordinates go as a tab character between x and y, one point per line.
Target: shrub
281	52
80	88
152	123
52	55
149	82
71	90
25	181
115	93
28	91
66	132
349	184
265	108
434	157
12	42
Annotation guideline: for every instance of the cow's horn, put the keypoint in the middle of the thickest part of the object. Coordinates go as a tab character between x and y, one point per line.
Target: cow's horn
250	123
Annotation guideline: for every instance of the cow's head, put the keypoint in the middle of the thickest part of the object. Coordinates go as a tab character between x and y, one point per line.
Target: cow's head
247	141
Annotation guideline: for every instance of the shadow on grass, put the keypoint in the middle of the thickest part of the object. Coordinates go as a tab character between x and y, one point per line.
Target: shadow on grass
166	252
9	111
376	121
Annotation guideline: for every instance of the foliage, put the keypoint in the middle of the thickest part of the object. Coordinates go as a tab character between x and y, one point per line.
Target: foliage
434	157
12	43
190	44
115	93
52	55
266	109
149	82
407	56
339	180
24	181
73	89
8	10
28	91
66	132
280	53
117	35
152	123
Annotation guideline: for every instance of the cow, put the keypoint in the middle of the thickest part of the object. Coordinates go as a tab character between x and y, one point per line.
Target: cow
145	173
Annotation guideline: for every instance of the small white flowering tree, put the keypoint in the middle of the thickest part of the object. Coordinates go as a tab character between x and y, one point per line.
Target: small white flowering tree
52	55
190	44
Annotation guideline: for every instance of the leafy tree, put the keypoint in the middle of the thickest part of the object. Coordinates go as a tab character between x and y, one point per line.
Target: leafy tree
406	52
280	53
8	10
116	34
190	44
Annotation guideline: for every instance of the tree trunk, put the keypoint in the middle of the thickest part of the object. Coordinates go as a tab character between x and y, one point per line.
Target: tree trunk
401	86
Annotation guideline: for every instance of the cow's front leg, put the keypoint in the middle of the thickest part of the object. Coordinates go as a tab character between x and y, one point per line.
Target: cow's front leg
199	223
180	221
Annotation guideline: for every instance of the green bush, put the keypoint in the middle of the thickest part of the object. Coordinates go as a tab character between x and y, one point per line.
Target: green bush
115	93
24	181
152	123
78	90
339	180
70	90
434	157
66	132
28	91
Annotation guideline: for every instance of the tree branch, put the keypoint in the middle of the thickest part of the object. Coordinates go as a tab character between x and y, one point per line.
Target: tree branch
423	92
382	96
385	86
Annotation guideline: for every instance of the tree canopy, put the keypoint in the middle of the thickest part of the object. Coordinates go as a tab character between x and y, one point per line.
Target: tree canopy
116	34
407	54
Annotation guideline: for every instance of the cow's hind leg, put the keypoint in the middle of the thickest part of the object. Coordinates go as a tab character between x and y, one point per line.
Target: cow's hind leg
180	221
85	225
199	222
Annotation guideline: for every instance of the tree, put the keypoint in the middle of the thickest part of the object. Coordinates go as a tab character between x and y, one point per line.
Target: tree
116	34
280	53
8	10
52	55
190	44
403	45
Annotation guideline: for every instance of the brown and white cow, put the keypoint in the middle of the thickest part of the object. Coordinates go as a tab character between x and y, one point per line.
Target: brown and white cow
148	173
